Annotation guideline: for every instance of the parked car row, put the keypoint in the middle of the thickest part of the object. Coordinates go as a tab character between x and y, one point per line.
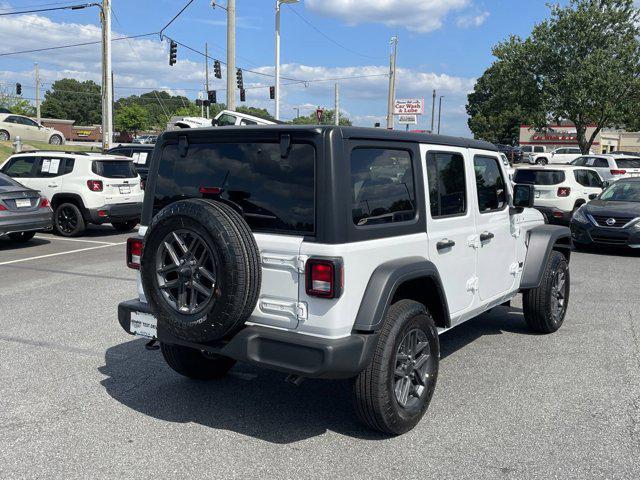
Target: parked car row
78	189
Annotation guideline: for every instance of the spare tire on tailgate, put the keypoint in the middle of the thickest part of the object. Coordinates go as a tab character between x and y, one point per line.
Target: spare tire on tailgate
201	269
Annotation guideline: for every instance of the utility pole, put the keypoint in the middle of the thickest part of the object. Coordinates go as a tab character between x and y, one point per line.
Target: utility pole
107	92
38	93
337	115
440	112
433	110
206	73
297	109
231	54
392	82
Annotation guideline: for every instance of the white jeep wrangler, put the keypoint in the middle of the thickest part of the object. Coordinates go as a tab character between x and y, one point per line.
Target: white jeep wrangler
335	252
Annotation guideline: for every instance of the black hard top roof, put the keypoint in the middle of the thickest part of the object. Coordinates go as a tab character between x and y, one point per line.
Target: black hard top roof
345	132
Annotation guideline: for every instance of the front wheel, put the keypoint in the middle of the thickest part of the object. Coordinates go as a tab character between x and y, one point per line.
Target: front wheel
4	136
68	220
21	237
125	226
393	393
55	140
195	364
542	161
546	306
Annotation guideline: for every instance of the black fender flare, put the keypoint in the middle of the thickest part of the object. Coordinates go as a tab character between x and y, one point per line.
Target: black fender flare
383	285
541	241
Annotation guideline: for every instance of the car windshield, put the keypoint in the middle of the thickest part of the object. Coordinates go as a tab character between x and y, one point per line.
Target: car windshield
539	177
628	162
622	192
114	169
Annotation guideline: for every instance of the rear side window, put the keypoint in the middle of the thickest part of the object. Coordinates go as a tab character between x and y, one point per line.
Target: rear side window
594	179
382	186
275	194
69	163
539	177
447	184
113	168
492	193
582	177
580	162
601	163
628	162
20	167
538	149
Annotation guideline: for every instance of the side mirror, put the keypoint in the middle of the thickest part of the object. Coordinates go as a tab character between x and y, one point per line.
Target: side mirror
605	184
214	122
593	196
523	196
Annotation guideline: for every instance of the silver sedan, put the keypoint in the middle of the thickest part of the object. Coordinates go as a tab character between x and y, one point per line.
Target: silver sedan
23	211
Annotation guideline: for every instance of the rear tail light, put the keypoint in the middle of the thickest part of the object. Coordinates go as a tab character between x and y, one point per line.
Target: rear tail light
142	184
618	172
564	191
135	246
3	208
94	185
323	277
44	203
557	214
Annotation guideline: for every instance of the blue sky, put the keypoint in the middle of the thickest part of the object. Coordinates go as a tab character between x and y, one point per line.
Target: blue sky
443	44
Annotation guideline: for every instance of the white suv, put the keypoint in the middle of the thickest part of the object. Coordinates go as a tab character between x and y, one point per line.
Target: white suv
560	156
334	252
611	167
561	189
82	188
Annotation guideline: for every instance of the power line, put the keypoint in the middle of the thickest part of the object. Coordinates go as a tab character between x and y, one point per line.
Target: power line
34	5
68	7
36	50
176	16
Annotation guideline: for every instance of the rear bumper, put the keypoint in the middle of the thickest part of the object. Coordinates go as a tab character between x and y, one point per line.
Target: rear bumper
118	212
28	223
285	351
555	216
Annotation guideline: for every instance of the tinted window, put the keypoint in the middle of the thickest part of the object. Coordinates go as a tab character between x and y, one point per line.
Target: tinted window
19	167
492	193
247	122
539	177
527	149
275	194
573	150
561	151
622	192
447	184
381	186
580	162
594	179
538	149
581	177
69	163
27	121
601	163
12	119
628	163
113	169
226	120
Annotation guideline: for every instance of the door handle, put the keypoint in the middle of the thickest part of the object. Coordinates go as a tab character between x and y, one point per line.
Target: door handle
486	236
446	243
53	186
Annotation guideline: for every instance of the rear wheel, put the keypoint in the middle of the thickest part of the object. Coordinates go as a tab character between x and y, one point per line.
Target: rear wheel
55	140
125	226
542	161
68	220
21	236
393	393
195	364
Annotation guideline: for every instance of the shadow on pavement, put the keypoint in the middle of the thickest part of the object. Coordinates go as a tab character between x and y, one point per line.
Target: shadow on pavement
257	402
7	244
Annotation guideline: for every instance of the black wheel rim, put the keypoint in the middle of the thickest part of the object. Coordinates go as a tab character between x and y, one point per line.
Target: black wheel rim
414	369
558	294
67	220
186	271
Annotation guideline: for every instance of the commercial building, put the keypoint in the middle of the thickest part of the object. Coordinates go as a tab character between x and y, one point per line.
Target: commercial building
564	135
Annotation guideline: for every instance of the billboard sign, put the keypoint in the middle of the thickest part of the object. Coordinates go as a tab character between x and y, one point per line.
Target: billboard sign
408	106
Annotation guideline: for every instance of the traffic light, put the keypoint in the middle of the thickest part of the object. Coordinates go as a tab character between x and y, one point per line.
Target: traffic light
239	79
217	72
199	102
243	95
18	89
173	52
272	93
212	96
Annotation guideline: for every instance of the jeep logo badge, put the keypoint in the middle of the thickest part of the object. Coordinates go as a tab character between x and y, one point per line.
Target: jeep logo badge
611	222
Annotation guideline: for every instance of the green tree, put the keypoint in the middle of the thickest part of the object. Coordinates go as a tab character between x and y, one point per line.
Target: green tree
582	65
73	100
328	118
132	118
256	112
15	104
159	104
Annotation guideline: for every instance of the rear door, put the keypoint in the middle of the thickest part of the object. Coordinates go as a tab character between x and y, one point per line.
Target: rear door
48	175
496	244
450	223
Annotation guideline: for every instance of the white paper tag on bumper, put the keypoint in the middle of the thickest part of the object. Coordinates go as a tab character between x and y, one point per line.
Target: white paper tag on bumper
144	324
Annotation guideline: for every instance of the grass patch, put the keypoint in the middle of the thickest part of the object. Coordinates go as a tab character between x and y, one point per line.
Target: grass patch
6	148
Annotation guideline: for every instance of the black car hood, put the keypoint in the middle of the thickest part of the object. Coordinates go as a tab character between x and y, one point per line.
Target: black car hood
612	209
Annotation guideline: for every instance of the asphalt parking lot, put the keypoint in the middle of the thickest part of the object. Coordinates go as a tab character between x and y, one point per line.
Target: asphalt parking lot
81	399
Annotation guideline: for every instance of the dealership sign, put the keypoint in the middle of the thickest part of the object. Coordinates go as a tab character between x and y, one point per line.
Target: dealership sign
408	106
408	119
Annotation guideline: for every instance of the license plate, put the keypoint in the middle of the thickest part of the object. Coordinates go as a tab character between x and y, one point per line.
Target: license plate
144	324
23	203
125	190
536	194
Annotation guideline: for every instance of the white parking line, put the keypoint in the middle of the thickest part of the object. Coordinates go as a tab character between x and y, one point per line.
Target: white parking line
75	240
60	253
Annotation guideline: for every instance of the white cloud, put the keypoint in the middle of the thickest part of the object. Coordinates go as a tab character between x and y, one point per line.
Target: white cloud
414	15
466	21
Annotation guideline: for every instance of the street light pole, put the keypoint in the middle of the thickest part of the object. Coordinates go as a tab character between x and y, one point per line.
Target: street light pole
440	112
277	86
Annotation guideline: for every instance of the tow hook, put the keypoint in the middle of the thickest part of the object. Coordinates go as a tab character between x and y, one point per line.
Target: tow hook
294	379
151	344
